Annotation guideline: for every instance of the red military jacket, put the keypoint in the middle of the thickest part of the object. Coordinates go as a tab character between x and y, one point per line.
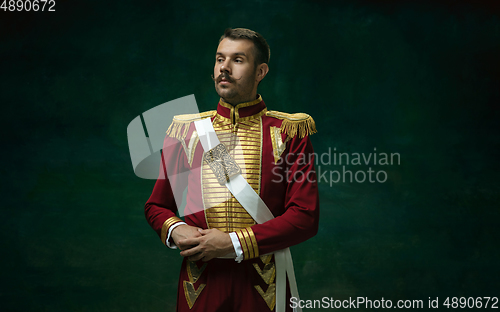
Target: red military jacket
276	158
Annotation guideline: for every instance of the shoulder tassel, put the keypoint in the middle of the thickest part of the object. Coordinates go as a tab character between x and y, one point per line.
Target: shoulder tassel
300	124
298	127
178	129
180	124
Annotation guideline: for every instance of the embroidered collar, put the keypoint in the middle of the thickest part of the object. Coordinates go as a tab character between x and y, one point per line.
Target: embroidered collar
243	111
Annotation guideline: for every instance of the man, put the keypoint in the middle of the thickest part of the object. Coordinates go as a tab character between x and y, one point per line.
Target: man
273	156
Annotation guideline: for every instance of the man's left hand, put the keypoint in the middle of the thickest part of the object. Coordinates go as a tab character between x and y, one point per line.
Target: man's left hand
212	244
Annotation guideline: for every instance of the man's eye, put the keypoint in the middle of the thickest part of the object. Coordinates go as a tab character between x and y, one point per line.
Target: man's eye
238	60
220	60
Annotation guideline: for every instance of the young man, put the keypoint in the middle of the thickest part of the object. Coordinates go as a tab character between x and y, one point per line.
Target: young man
270	155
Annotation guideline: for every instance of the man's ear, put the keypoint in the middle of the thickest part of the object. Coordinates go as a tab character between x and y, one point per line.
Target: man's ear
262	71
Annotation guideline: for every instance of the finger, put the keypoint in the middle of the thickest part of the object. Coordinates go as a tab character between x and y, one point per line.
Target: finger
204	232
190	251
197	233
189	242
186	247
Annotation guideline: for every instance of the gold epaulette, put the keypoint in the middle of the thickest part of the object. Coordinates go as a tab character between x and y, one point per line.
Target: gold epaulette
293	124
180	124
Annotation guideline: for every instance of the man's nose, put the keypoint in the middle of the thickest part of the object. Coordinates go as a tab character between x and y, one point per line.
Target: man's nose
225	67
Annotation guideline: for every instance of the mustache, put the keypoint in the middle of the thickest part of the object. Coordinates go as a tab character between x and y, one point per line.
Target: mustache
224	75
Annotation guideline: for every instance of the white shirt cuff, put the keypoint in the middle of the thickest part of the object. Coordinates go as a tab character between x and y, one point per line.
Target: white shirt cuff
237	247
168	243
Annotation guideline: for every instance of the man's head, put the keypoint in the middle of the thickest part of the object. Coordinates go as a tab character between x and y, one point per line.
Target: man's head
241	62
261	49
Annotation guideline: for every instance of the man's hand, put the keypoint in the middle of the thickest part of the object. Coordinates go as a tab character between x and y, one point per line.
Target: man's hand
212	244
183	232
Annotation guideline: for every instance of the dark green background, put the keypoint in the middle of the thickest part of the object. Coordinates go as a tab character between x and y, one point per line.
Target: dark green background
416	78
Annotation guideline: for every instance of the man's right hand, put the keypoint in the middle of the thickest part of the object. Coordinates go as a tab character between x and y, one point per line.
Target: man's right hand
184	231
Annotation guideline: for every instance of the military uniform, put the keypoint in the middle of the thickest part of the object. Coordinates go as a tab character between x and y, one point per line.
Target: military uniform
275	155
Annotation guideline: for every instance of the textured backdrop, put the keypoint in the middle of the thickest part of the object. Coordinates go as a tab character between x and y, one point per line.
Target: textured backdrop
416	78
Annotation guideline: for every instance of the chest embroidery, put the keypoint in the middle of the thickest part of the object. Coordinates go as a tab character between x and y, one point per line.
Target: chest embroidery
190	147
222	164
278	145
244	144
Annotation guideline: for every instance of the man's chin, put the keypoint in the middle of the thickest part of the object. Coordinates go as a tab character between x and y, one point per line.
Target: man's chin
224	93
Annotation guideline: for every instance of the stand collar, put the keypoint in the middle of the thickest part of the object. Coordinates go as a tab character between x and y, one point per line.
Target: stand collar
243	111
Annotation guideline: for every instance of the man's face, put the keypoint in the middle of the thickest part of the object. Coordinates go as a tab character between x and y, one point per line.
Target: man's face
235	71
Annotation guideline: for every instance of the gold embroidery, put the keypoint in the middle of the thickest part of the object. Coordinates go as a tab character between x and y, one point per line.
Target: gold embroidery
247	158
278	145
245	127
194	274
248	242
250	136
234	110
293	124
222	210
224	219
255	171
261	132
268	273
243	243
166	225
255	149
193	271
234	224
190	148
192	294
269	296
246	104
248	118
254	242
218	195
223	166
181	123
223	213
252	166
250	143
266	258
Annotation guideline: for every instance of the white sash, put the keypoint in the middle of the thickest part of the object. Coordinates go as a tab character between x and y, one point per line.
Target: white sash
256	208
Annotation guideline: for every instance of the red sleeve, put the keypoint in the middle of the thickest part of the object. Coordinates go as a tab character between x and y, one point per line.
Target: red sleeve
161	208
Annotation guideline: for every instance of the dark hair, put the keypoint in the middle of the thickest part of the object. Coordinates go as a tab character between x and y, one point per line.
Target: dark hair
262	51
